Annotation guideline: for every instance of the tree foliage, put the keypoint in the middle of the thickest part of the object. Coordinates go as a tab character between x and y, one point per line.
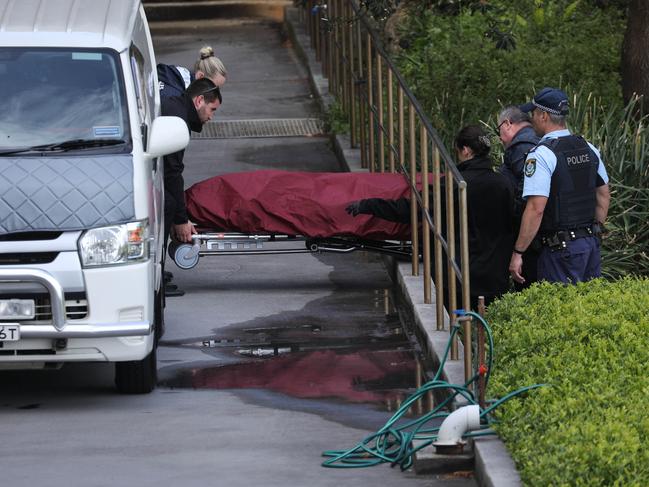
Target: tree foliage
466	64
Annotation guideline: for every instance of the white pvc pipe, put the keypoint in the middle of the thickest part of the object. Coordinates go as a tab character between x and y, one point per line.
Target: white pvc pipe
457	423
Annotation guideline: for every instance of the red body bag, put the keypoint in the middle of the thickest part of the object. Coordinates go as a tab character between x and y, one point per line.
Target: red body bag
295	203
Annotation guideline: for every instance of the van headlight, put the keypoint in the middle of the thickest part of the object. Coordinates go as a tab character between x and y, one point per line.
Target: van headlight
116	244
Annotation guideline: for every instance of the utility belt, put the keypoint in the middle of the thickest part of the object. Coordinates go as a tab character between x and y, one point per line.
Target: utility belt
557	240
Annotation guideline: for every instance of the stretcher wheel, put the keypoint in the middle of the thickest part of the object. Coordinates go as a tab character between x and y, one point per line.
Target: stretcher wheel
184	255
312	245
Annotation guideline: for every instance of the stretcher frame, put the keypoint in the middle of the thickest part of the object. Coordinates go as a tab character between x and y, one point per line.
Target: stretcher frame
219	243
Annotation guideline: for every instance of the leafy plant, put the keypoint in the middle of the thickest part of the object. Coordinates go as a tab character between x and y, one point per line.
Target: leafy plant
460	78
623	139
336	120
588	342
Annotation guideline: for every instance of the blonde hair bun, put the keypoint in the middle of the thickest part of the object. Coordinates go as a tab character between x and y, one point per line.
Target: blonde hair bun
209	64
206	52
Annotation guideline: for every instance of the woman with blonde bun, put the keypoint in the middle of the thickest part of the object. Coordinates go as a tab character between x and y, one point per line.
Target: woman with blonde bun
173	80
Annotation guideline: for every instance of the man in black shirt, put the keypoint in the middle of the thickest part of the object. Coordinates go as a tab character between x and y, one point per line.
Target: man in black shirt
196	107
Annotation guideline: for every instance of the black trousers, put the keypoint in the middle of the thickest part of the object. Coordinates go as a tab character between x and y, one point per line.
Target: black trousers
169	213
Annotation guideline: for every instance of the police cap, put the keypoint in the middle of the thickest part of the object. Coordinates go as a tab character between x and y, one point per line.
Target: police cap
551	100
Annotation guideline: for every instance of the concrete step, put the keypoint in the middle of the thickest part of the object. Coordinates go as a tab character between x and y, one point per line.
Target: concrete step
169	11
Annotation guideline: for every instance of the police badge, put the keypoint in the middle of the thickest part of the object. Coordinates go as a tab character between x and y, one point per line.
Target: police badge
530	167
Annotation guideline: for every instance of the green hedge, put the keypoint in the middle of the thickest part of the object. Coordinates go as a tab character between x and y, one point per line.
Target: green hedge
589	342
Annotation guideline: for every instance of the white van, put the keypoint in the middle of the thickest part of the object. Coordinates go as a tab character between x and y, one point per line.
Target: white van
81	197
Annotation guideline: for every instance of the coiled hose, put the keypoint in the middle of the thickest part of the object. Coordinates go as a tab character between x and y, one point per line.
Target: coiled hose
394	444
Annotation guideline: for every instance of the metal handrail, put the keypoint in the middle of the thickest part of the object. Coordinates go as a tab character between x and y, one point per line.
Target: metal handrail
358	68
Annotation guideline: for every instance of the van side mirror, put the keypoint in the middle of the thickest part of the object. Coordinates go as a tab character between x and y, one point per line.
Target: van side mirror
167	135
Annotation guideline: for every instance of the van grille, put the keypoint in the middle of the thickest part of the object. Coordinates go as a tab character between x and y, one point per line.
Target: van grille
27	236
76	307
28	258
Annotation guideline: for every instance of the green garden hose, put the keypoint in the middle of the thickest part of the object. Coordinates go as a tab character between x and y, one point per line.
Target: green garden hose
394	444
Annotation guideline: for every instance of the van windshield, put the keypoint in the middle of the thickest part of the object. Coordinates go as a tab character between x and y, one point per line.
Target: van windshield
49	96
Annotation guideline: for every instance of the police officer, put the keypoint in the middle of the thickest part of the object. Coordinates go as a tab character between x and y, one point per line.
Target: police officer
517	135
567	197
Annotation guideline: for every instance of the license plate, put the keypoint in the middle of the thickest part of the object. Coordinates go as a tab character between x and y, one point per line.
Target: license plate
17	309
9	332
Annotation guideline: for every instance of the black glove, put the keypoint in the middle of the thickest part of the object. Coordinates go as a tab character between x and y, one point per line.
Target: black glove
354	208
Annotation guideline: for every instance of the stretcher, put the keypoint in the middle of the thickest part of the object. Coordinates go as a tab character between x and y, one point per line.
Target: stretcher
286	212
216	243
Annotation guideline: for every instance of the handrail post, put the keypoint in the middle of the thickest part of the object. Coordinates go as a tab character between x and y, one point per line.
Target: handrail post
335	44
316	37
379	103
401	127
328	34
310	21
437	208
423	143
323	22
390	121
466	296
414	221
370	101
450	240
361	104
352	77
345	55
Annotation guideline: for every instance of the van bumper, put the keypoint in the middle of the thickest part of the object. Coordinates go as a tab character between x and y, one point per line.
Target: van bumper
34	353
119	326
88	331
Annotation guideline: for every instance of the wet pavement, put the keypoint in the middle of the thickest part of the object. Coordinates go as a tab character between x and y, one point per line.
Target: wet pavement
358	352
267	361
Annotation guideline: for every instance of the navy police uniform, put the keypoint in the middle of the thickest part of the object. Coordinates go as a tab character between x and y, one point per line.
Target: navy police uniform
567	170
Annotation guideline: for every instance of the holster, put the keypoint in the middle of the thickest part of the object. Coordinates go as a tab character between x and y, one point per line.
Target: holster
557	240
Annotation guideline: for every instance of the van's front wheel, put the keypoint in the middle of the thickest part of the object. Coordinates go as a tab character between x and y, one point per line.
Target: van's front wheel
138	376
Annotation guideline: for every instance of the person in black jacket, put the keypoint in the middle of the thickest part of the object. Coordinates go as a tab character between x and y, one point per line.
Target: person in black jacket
490	214
517	135
196	107
174	80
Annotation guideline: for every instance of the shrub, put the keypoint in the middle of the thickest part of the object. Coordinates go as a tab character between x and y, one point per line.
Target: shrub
588	342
